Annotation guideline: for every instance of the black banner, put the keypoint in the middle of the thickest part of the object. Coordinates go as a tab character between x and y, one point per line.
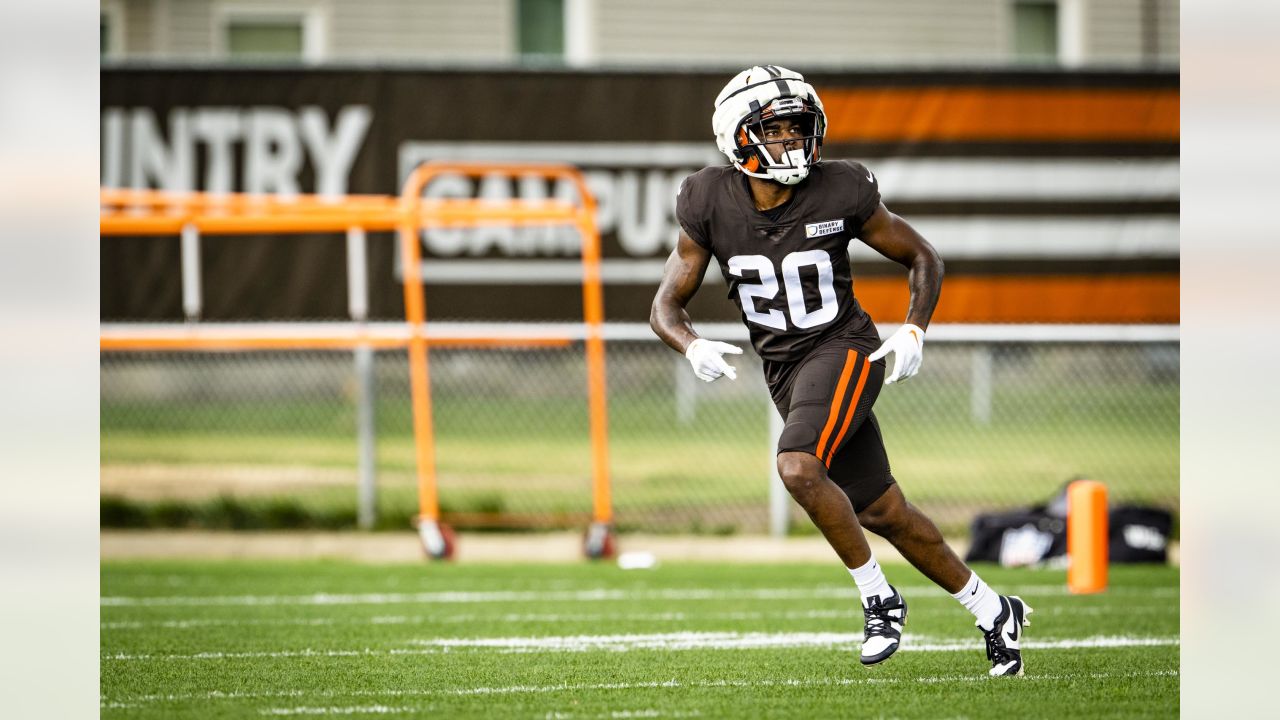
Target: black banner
634	134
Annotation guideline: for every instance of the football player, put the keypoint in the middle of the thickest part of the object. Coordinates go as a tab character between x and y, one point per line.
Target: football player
779	221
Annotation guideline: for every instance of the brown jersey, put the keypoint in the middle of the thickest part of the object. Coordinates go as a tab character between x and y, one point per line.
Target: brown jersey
789	277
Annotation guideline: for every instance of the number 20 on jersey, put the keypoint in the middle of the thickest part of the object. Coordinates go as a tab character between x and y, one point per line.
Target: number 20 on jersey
767	289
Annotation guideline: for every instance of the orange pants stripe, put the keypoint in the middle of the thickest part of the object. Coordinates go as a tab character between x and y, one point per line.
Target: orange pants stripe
835	404
848	416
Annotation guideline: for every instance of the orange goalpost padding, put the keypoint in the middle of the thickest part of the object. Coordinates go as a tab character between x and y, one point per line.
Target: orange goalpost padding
1087	536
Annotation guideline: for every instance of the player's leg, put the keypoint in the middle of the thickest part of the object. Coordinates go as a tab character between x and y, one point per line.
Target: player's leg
861	468
829	396
825	391
805	477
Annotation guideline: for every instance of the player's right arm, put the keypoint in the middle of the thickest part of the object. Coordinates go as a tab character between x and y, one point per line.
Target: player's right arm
681	278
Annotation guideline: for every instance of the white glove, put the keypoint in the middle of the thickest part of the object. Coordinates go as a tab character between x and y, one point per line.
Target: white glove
704	356
907	346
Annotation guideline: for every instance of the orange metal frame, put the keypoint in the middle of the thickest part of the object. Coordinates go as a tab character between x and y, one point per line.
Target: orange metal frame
582	217
203	340
150	212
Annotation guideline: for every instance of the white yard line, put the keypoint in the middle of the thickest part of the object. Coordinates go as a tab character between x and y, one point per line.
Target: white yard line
748	641
181	624
200	623
138	700
639	642
595	595
831	614
336	710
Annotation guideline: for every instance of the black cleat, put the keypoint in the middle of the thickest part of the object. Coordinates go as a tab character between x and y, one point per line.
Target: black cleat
882	635
1005	639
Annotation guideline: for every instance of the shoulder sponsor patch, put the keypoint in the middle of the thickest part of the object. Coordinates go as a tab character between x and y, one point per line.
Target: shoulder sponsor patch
827	227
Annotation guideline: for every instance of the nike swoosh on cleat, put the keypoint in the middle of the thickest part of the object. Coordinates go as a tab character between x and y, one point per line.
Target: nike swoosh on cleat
1012	637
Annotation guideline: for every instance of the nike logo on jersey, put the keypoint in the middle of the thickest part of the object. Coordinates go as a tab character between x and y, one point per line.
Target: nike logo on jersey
819	229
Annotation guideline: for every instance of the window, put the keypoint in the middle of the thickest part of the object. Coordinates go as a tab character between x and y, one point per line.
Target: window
264	39
540	32
111	30
1035	31
262	33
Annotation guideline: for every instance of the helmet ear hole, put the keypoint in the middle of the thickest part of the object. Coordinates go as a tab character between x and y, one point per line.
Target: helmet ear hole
744	147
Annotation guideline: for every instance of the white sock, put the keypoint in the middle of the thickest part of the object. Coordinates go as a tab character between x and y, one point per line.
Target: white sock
871	581
981	600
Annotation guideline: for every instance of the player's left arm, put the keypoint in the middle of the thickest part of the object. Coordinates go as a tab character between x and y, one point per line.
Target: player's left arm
894	238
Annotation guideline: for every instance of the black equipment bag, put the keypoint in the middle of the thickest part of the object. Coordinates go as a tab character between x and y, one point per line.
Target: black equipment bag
1136	534
1020	537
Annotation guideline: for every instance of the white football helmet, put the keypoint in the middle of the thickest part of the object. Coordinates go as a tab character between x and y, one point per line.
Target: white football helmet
759	94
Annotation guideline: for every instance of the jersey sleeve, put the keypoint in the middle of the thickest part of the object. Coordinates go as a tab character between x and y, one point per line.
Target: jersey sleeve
692	210
866	196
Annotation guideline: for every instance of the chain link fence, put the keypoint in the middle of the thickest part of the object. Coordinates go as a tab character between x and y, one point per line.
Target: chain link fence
268	439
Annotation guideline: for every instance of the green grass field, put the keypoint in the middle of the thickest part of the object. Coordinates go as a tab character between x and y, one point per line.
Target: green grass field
532	455
264	639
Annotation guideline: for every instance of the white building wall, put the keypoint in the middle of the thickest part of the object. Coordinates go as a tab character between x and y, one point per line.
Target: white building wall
1169	22
431	30
1115	32
189	31
826	32
803	33
137	27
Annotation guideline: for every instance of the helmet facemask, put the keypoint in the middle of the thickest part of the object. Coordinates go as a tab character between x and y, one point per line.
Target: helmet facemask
797	153
746	106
